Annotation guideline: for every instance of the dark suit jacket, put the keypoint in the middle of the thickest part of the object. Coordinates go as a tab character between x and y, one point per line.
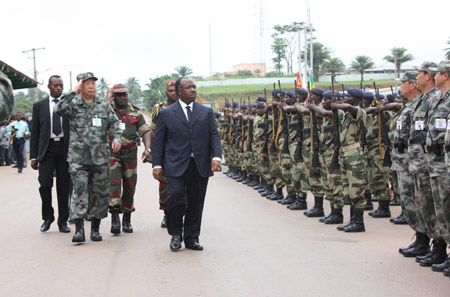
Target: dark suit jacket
176	138
40	130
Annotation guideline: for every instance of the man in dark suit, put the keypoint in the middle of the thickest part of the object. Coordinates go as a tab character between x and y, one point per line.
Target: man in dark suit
186	150
48	152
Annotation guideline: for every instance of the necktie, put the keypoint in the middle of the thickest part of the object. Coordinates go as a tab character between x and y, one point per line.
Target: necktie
56	122
189	113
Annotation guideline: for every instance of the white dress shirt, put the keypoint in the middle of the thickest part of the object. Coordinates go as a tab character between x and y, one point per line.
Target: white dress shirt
51	106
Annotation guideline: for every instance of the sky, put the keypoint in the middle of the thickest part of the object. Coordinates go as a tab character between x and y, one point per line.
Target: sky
144	39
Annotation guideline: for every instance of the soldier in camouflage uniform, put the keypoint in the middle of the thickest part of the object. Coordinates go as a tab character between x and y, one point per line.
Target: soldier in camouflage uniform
124	162
300	178
418	165
332	181
172	97
352	166
91	120
6	97
378	175
435	157
443	83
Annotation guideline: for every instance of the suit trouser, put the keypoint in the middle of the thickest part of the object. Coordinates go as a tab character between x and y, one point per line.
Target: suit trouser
18	146
54	159
186	198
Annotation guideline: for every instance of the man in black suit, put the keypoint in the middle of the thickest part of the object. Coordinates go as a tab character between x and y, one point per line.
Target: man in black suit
48	152
186	150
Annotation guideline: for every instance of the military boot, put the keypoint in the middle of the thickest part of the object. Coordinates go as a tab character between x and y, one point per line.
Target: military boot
441	267
420	247
400	220
438	254
299	204
255	181
342	227
95	230
336	217
237	174
395	201
358	221
268	191
290	198
278	195
261	185
327	216
126	223
383	210
346	199
242	177
115	222
447	272
369	204
79	231
317	210
248	180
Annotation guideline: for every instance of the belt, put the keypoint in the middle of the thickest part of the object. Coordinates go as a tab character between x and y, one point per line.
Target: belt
128	150
57	139
416	141
349	147
435	148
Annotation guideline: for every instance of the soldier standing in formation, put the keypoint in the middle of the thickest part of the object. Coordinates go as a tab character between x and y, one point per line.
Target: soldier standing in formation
123	163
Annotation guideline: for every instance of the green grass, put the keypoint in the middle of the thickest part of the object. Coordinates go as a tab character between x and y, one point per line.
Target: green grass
237	92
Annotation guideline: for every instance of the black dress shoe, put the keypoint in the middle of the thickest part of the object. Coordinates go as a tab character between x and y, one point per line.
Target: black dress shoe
164	222
193	246
64	229
175	243
46	225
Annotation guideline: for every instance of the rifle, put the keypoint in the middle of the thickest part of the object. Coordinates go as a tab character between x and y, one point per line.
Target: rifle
285	131
275	121
363	138
383	135
299	134
336	135
250	128
314	161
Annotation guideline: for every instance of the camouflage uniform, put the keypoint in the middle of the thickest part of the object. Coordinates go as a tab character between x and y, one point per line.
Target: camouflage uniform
418	164
298	167
274	159
124	163
163	185
89	153
400	161
378	175
440	186
352	166
6	97
285	159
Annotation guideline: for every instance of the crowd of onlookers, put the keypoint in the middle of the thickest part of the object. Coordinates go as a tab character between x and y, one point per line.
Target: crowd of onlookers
7	155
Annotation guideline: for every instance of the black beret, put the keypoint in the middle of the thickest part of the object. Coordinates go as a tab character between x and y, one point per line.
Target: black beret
301	91
317	91
355	92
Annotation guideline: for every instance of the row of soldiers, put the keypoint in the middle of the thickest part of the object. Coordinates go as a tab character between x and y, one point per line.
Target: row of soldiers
349	147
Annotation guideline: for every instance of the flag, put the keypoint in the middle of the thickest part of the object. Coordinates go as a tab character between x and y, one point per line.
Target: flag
161	99
299	81
311	80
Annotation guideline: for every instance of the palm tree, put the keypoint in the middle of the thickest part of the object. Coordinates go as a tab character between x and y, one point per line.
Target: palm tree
134	89
333	65
102	87
360	64
398	54
183	71
447	54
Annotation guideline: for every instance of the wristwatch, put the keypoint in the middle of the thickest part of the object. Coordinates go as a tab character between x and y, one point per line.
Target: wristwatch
149	150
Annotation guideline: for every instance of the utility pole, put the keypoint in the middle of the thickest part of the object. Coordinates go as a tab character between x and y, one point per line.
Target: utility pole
35	71
210	52
300	52
395	71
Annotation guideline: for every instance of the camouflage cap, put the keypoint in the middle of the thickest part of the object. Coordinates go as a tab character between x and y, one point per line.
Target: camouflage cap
410	76
85	76
429	67
119	88
444	66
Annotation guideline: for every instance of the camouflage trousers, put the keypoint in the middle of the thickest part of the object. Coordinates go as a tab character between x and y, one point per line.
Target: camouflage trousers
286	172
354	171
332	182
297	172
163	194
264	168
90	191
314	175
393	180
304	178
378	176
274	170
249	161
123	174
225	152
424	203
408	202
441	196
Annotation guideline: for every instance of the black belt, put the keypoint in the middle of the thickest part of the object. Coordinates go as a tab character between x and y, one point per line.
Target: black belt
436	148
416	141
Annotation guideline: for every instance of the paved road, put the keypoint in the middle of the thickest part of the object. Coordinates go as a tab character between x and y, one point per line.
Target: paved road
253	247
